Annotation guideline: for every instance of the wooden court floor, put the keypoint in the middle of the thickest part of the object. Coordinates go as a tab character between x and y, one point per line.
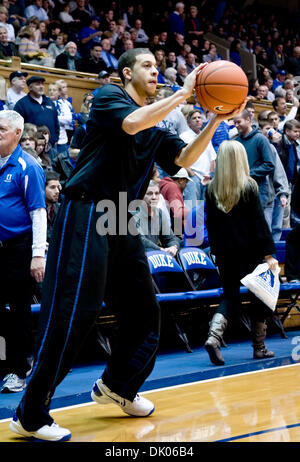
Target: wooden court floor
260	406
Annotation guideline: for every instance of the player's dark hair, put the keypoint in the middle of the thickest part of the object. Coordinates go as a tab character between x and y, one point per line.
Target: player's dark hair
128	59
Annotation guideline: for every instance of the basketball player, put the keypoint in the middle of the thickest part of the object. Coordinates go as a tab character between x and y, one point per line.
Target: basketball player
92	258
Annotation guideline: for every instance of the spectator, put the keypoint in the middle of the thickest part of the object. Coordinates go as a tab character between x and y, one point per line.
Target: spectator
260	157
3	23
293	62
52	192
235	56
279	187
175	121
279	105
172	189
15	92
142	38
262	92
171	78
240	239
30	51
274	119
193	28
287	149
49	150
65	17
64	116
176	20
90	35
154	225
102	79
63	93
57	47
68	58
38	109
23	237
181	74
80	15
37	10
171	60
277	59
200	172
212	54
28	143
41	152
190	62
93	63
129	17
107	56
7	49
280	78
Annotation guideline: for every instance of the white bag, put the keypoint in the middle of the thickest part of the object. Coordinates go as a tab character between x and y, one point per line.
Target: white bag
264	283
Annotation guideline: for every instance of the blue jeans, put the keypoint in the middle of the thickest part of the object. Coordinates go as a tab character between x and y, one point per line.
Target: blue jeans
274	218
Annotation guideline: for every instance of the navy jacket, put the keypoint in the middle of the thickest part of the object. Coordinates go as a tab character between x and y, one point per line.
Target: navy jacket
39	114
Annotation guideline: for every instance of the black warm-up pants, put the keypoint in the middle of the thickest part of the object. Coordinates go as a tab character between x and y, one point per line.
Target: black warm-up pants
292	256
82	268
16	289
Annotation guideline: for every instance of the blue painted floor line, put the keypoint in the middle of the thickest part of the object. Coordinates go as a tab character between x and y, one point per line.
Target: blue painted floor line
171	369
261	432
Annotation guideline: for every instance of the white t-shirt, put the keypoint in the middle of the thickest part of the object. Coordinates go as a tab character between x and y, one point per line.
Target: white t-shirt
12	98
202	166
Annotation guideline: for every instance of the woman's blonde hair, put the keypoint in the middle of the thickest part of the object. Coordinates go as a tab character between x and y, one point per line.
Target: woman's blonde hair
232	176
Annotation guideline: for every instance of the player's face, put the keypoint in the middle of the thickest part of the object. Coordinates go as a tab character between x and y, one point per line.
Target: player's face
144	74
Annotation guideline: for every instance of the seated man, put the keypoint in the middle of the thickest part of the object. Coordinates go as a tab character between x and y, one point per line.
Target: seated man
154	225
172	190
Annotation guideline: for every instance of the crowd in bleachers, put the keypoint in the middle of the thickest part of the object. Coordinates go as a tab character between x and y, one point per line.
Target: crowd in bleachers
90	36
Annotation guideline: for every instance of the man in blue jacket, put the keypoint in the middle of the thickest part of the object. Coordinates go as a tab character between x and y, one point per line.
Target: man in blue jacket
38	109
259	153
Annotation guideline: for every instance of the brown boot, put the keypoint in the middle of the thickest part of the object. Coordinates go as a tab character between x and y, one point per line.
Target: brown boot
213	344
260	350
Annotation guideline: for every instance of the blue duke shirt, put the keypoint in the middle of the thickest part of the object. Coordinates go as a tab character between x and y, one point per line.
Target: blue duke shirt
22	190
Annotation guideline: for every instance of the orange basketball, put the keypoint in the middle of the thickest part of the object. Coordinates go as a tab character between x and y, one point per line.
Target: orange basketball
221	87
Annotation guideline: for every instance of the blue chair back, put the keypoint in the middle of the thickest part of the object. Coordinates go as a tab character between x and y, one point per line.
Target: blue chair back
199	268
167	274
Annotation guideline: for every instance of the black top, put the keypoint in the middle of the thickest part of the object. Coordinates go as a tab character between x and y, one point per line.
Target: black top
241	233
112	161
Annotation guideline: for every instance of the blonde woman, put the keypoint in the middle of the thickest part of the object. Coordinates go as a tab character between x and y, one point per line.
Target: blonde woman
240	239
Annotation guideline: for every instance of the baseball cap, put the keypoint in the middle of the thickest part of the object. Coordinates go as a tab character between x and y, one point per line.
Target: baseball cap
281	72
103	74
17	74
96	18
182	173
35	78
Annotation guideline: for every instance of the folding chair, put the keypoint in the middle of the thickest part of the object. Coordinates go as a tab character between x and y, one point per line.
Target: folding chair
293	290
200	271
168	277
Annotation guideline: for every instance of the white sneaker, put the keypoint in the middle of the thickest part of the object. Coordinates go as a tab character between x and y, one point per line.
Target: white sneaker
139	407
46	433
13	384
